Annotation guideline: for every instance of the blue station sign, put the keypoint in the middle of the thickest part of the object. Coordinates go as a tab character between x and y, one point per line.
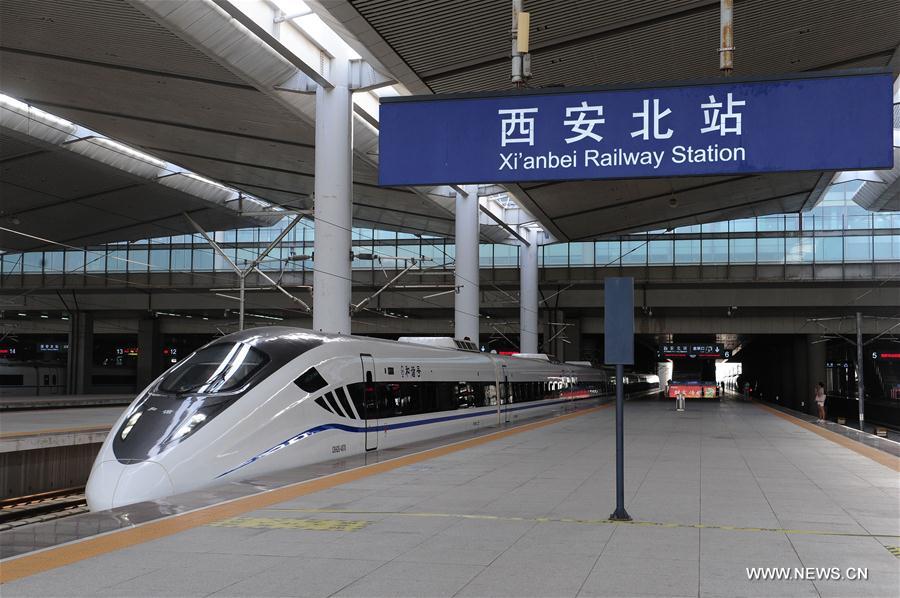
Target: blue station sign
822	122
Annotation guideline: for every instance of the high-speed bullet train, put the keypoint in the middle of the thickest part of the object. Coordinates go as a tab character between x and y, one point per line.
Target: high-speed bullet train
269	399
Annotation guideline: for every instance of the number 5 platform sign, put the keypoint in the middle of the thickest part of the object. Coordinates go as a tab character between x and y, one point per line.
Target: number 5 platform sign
823	122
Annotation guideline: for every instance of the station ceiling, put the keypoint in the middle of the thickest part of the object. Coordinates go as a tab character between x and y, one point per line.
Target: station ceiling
106	64
110	67
51	193
449	46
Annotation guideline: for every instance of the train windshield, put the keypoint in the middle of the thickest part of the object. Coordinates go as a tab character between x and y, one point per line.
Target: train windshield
218	368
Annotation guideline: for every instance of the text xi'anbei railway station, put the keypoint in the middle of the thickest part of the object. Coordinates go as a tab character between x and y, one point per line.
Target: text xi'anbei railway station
457	298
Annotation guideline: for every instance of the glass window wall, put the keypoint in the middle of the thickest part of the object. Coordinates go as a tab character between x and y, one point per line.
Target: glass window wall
836	231
770	250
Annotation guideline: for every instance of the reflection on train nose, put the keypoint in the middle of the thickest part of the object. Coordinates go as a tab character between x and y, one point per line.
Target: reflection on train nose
142	481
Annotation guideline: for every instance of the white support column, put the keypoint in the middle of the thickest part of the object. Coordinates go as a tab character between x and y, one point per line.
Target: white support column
333	202
467	274
528	293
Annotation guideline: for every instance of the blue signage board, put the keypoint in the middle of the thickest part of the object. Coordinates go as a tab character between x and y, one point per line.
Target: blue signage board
822	122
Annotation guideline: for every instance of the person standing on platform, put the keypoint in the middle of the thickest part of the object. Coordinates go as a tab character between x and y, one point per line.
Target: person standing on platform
820	400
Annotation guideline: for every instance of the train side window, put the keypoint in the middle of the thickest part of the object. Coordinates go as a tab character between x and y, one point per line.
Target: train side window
428	397
12	380
357	395
490	394
519	388
409	399
311	381
446	397
465	395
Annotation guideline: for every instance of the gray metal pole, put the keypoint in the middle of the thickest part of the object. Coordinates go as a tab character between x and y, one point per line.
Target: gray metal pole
621	514
726	43
860	385
517	75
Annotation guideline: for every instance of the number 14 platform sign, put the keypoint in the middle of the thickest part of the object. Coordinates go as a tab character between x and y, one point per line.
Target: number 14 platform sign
839	121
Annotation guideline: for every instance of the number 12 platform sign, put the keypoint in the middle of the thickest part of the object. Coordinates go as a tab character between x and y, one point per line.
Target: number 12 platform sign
840	121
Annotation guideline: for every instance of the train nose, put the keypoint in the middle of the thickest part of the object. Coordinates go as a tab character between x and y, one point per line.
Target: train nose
112	484
101	485
142	481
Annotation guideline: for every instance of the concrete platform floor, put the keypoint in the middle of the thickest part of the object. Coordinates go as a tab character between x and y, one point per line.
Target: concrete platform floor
8	403
715	490
54	420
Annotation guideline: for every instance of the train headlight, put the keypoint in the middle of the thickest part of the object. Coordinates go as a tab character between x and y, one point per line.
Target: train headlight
130	424
194	421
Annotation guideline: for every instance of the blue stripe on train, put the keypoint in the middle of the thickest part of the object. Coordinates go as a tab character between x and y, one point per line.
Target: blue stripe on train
385	427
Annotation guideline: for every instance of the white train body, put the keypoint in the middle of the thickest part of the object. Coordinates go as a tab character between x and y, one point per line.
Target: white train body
21	378
270	399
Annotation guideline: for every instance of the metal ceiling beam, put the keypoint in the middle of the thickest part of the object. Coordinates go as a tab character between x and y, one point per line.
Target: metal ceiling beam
364	77
888	198
815	195
270	40
505	226
894	62
524	199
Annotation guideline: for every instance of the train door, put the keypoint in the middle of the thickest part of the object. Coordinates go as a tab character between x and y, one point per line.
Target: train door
505	392
47	382
370	402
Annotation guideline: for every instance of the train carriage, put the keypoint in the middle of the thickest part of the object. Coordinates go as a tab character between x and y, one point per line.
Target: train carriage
270	399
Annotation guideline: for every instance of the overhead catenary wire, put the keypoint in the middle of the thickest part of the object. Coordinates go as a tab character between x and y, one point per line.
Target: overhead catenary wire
106	253
169	170
358	232
166	168
144	286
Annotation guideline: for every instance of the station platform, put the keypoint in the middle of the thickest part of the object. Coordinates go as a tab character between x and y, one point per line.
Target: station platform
714	491
62	401
44	428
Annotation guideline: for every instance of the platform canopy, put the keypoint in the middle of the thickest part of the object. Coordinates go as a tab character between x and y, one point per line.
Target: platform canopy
454	46
223	88
128	70
64	185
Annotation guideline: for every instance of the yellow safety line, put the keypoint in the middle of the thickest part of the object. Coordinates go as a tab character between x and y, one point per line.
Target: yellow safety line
867	451
10	435
66	554
732	528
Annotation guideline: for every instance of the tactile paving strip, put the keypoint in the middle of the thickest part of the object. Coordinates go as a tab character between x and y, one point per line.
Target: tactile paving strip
732	528
319	525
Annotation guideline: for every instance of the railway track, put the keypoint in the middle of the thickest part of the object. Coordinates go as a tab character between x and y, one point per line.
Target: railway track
44	506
